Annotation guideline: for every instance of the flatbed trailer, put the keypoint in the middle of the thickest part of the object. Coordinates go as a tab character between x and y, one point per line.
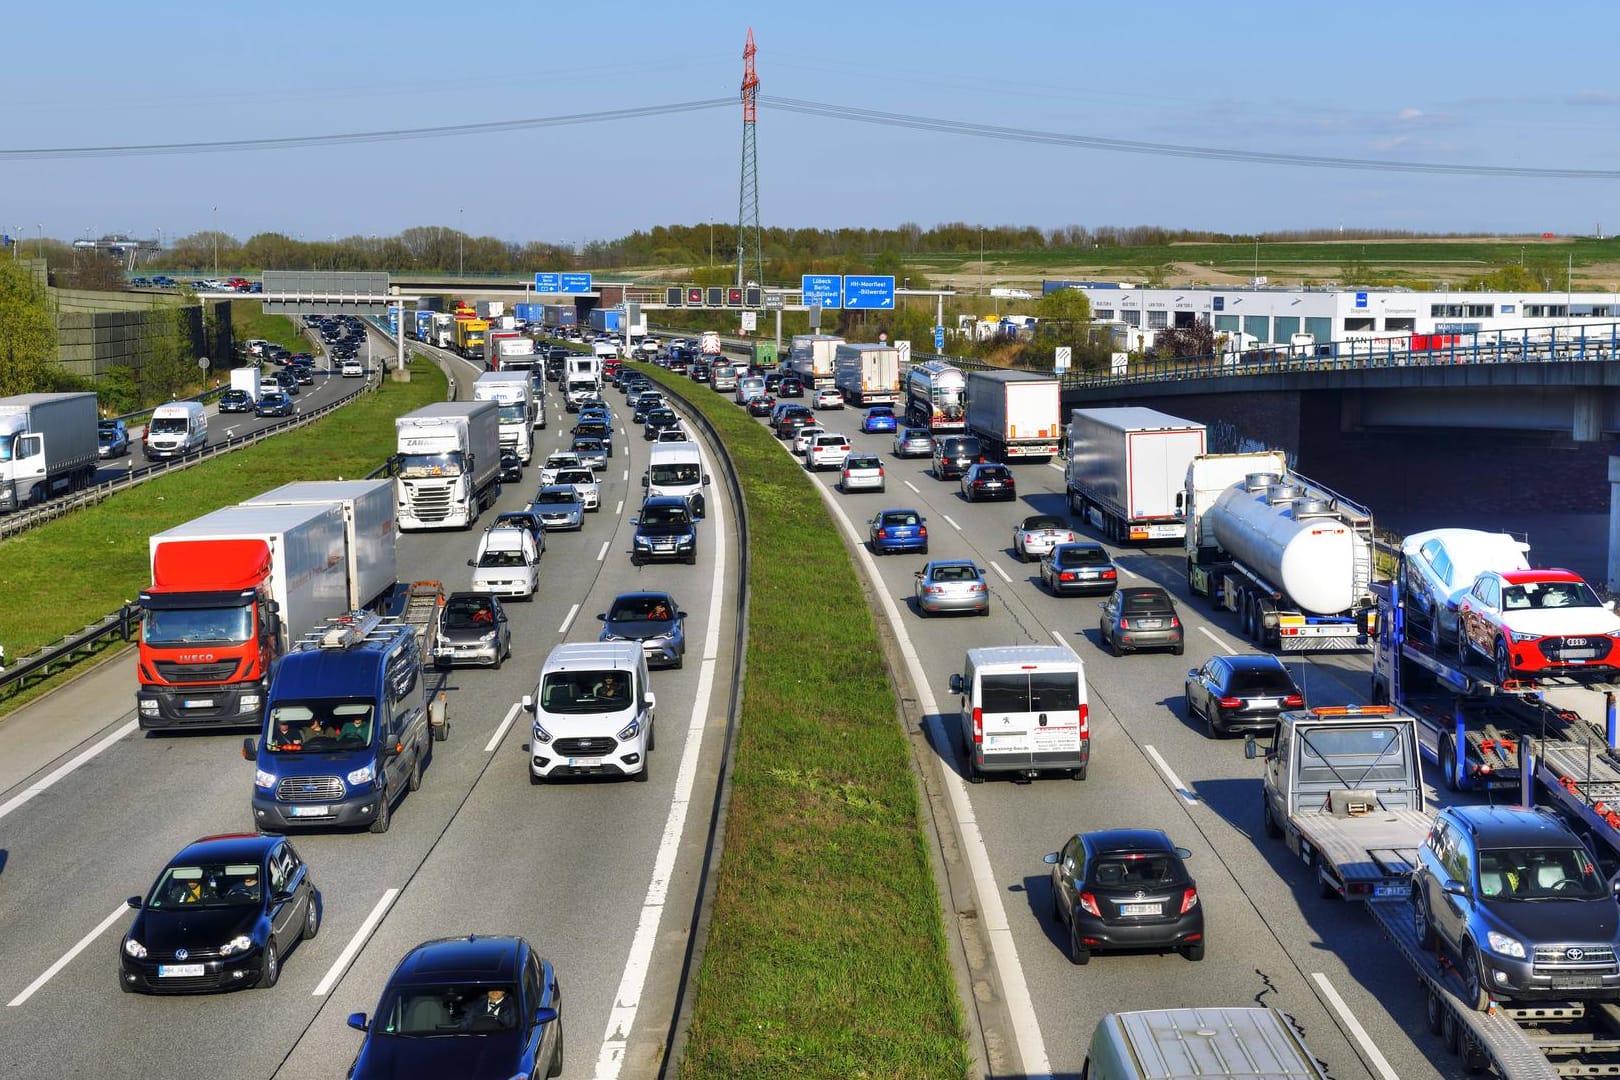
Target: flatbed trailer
418	604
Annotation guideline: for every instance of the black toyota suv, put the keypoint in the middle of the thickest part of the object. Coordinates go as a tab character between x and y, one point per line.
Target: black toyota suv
1516	897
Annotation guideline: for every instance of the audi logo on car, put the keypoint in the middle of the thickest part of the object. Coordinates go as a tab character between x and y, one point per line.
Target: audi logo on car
1574	954
1574	642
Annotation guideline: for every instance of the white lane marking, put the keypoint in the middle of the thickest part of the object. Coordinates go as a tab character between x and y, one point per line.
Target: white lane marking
67	957
624	476
992	915
500	732
1127	573
563	629
997	568
47	781
619	509
912	486
1170	776
1373	1054
600	555
622	1016
1207	632
1058	465
1058	637
951	523
352	949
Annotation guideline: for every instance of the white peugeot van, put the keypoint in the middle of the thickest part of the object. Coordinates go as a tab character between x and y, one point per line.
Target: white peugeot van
175	430
593	712
1023	711
677	469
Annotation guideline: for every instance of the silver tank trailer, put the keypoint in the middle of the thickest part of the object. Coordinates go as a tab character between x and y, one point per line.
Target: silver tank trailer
1295	542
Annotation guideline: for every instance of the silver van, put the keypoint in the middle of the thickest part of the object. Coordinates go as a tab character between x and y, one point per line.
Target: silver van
1206	1043
1023	711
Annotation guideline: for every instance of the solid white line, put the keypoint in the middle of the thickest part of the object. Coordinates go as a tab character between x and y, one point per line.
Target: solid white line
951	523
619	509
563	629
67	957
1058	465
622	1016
997	568
1374	1055
45	782
1207	632
600	555
500	732
1170	776
1127	573
912	486
352	949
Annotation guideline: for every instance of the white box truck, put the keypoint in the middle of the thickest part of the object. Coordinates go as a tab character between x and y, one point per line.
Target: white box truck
368	525
448	464
1127	470
1016	414
47	446
246	378
510	390
813	357
867	374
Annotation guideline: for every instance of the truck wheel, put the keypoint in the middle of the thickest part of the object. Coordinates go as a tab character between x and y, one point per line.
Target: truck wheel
380	823
1435	1011
1448	764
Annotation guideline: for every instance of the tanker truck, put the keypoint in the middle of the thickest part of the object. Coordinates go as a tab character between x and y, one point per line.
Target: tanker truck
936	396
1291	558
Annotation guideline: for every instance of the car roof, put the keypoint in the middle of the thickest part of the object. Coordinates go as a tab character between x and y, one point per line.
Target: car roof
1527	577
1254	662
226	847
1145	592
936	563
1511	826
472	959
663	500
1107	841
1039	520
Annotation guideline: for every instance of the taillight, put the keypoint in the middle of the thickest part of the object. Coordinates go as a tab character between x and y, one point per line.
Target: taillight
1294	701
1088	903
978	725
1189	900
1174	622
922	530
1124	623
1066	575
1109	574
1229	702
883	532
1085	720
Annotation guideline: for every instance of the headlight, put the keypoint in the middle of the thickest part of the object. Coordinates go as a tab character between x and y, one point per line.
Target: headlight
248	703
1506	946
540	733
134	948
362	775
263	779
487	638
239	943
641	541
149	707
631	730
667	635
686	541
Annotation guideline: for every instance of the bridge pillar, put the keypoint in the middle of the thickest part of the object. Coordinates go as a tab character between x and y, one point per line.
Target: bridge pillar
1614	527
1586	423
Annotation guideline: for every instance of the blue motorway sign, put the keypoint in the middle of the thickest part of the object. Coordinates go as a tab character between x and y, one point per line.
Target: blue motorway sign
547	283
822	290
576	283
870	291
939	339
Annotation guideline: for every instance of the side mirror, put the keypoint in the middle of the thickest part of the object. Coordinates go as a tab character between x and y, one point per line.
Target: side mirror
545	1015
358	1021
1183	852
470	562
1454	888
680	614
601	616
651	701
917	574
645	480
250	749
706	484
956	685
1192	673
134	902
1051	857
1252	748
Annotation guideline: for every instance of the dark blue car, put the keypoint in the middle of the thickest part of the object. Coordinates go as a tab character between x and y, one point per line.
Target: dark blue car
898	530
878	418
476	1008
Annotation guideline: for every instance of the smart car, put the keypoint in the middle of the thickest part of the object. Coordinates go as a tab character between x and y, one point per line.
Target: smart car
1125	889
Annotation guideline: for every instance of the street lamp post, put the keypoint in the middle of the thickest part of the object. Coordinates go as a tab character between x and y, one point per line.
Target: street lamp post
461	246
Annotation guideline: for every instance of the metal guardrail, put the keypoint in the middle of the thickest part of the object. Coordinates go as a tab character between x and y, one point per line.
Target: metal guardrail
70	650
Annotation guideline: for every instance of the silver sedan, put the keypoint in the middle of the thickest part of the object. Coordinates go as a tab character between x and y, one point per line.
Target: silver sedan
913	442
951	585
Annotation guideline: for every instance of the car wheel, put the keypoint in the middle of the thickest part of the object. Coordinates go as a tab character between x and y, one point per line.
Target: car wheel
312	919
535	779
635	560
652	737
380	823
271	972
1475	993
1057	905
1193	952
1178	649
646	770
414	781
1079	953
984	612
1504	669
1268	821
923	550
969	767
499	658
1080	773
556	1066
1422	924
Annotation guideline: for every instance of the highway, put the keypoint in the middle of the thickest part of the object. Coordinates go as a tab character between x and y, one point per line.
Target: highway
600	876
1272	939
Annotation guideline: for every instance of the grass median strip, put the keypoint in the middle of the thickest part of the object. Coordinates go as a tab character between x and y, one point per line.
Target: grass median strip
68	573
826	954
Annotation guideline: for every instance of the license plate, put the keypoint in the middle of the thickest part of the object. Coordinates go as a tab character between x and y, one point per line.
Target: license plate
1381	891
310	811
1578	654
1140	909
584	762
181	971
1151	624
208	702
1576	982
992	483
1263	703
1087	575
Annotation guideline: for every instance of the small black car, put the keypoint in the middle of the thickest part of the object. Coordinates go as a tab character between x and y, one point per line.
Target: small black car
222	914
1082	568
1125	889
236	401
657	420
511	467
665	530
1241	693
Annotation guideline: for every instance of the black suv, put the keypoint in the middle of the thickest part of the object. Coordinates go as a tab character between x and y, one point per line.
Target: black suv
1513	894
953	454
665	529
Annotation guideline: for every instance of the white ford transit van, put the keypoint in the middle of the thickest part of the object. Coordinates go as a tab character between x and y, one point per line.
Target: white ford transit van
1023	711
175	430
593	712
1206	1043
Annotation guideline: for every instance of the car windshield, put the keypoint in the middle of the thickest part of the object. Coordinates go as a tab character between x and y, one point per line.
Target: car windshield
167	425
585	691
1534	595
515	413
680	472
502	557
415	465
1539	873
956	573
576	476
899	517
319	724
641	609
664	515
1080	555
468	613
195	626
1145	601
862	461
591	428
561	461
1137	871
1261	681
587	446
994	472
1365	754
661	416
207	885
1045	521
564	495
426	1012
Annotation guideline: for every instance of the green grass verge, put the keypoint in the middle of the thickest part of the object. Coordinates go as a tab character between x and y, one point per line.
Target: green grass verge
248	320
67	574
826	954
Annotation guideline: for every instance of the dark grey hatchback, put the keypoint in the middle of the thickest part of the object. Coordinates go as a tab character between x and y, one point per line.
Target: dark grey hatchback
1241	693
1126	889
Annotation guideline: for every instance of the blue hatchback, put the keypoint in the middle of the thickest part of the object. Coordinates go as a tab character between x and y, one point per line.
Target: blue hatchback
878	418
898	530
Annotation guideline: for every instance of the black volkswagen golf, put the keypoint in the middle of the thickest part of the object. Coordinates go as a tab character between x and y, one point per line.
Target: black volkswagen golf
222	914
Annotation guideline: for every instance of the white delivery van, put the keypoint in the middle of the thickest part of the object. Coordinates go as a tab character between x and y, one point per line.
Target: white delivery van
593	712
1023	711
676	468
1206	1043
175	430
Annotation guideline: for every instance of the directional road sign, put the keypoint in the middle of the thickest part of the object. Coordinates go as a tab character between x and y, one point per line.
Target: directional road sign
576	283
870	291
939	339
823	290
547	283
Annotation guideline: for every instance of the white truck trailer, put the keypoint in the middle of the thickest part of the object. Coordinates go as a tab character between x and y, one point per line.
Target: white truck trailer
47	446
813	358
246	378
867	374
448	464
1017	415
1127	468
368	524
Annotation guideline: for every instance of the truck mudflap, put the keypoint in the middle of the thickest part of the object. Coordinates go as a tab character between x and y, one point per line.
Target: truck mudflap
439	718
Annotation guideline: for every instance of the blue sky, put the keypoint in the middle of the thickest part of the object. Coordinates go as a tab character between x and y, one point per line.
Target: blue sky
1477	84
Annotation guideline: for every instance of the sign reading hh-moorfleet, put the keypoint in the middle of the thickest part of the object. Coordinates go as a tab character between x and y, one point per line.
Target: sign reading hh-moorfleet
575	283
822	290
871	291
547	282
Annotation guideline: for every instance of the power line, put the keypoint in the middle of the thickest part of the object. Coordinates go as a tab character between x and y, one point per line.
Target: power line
391	135
1208	153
